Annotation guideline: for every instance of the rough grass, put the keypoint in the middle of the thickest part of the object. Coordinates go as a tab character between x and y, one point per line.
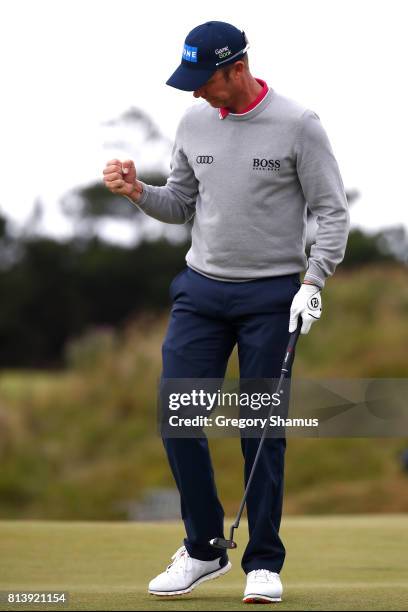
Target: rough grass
333	563
77	444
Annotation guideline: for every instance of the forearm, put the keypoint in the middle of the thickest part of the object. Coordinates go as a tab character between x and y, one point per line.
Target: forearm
165	204
330	245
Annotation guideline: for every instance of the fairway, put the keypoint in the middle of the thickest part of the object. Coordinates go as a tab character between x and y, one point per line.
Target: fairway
333	563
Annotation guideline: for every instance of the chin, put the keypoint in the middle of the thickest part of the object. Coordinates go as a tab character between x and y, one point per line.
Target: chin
215	103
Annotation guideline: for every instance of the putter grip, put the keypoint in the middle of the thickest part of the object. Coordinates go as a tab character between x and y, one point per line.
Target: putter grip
292	340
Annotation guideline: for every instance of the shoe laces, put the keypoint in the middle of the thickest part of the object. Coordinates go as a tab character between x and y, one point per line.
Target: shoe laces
181	561
263	575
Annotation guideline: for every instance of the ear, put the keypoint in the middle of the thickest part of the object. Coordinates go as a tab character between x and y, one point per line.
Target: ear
239	68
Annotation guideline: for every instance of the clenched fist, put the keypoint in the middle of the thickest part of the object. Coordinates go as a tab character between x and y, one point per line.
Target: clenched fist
120	177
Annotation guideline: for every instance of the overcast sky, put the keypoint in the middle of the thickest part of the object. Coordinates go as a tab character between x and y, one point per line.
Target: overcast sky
68	66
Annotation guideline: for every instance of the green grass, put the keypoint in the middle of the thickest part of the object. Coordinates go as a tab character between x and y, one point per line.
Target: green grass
333	563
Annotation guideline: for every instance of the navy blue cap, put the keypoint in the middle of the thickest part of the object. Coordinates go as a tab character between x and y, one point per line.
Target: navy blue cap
207	48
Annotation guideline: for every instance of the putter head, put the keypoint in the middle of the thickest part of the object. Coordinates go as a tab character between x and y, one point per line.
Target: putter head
221	543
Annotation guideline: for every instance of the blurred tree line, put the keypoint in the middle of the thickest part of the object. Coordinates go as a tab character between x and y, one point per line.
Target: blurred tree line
52	291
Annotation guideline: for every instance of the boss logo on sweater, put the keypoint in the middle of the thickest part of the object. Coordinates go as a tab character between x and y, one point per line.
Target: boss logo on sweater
267	165
204	159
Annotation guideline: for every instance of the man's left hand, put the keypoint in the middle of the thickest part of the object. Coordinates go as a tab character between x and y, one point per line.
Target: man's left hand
308	304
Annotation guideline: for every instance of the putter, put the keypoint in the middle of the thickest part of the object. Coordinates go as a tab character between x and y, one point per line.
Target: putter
228	544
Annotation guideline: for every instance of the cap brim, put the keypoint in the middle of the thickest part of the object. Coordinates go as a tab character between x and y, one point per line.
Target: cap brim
189	79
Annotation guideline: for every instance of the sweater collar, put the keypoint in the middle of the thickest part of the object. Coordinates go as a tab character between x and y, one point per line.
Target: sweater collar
224	112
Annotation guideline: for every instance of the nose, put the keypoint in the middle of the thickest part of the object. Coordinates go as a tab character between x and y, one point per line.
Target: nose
198	93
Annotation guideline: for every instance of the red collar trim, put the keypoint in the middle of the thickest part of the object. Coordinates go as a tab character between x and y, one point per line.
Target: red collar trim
224	112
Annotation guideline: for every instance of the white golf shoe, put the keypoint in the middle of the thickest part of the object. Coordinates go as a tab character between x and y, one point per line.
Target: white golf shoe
262	586
185	573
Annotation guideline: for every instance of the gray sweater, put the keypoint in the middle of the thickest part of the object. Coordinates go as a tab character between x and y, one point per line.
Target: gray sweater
246	179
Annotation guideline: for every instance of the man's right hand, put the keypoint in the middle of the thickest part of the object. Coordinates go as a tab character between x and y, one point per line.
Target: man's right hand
120	177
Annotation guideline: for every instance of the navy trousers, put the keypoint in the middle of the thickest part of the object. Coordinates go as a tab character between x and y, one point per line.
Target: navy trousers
208	318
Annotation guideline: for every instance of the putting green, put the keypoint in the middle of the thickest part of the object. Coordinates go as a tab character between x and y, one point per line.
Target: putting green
333	563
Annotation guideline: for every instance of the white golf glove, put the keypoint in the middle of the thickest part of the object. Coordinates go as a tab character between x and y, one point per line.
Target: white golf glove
308	304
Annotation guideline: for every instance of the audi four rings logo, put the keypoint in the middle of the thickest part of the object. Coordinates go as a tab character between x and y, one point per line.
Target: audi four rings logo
204	159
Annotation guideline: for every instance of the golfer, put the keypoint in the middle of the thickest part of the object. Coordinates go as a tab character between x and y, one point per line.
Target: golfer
245	162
